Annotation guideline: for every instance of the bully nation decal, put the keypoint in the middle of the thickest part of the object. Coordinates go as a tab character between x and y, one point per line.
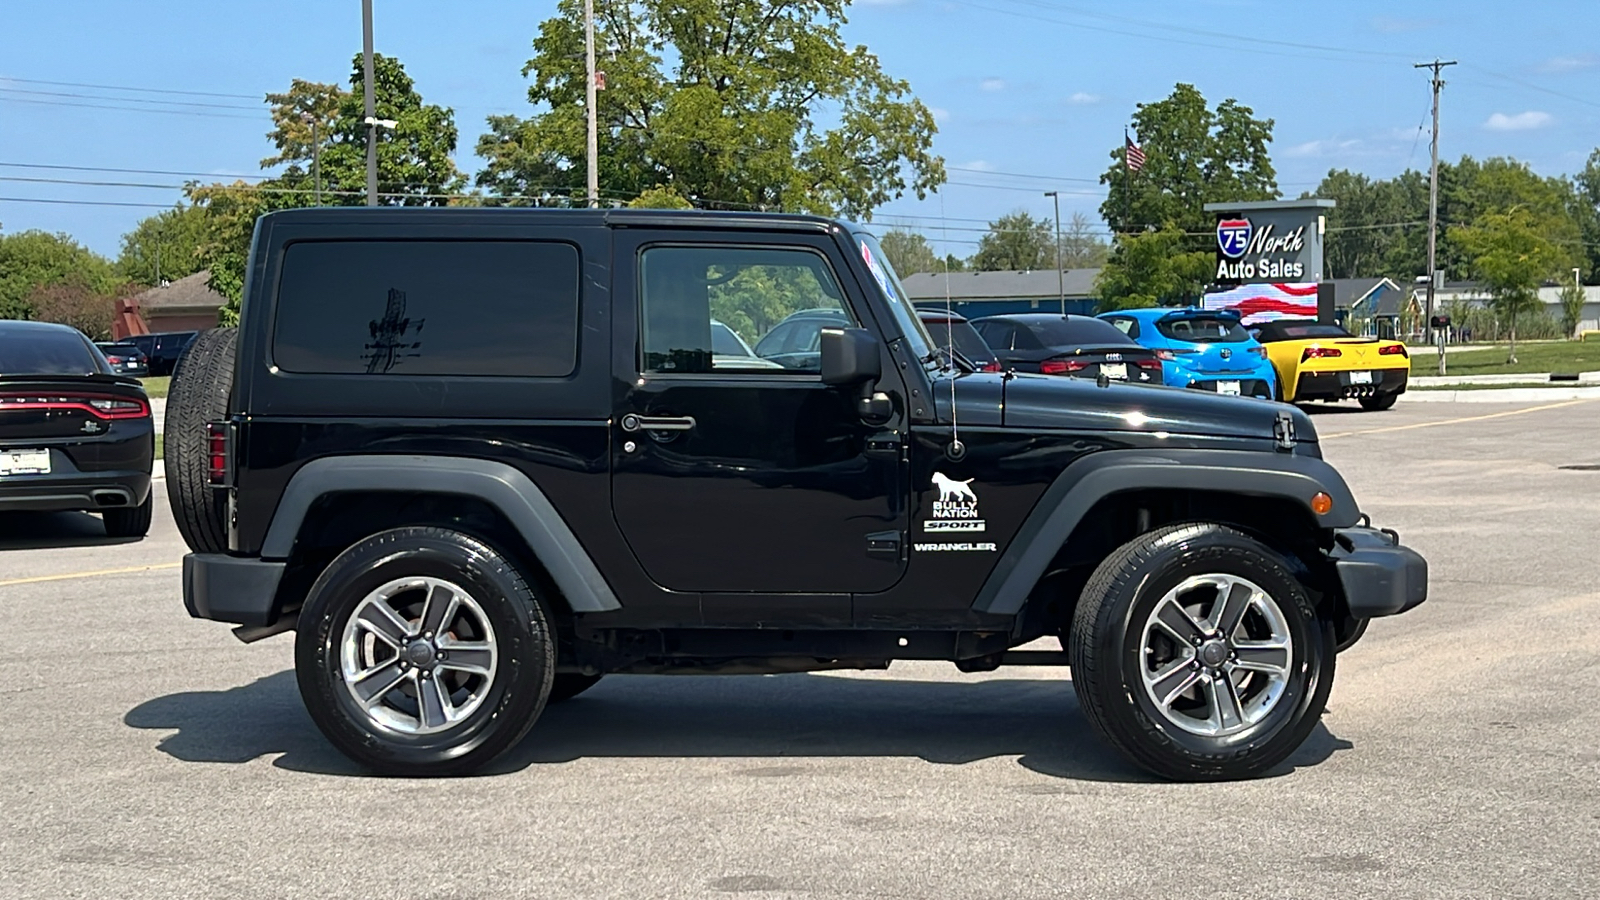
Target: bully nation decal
956	508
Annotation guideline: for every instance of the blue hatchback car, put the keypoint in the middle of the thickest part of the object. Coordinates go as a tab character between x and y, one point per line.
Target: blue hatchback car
1201	348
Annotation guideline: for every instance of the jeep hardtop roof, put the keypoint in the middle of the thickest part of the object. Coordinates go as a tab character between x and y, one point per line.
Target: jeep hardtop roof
380	217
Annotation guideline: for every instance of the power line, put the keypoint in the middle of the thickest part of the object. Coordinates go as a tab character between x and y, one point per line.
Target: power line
172	112
142	90
127	99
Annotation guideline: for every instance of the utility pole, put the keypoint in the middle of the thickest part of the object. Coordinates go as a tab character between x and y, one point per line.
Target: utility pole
316	156
368	104
593	151
1433	197
1061	275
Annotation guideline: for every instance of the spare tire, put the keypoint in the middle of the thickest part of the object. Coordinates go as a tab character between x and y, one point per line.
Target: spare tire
202	383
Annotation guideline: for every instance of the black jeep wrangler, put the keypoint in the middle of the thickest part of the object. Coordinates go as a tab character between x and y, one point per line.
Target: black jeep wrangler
479	459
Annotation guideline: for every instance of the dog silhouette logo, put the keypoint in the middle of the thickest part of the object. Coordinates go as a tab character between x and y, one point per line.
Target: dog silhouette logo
951	490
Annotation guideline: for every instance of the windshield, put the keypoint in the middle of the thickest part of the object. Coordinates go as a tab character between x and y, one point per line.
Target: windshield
1204	330
917	339
45	352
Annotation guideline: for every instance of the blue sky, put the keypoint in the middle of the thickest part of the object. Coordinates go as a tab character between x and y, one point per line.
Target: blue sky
1023	87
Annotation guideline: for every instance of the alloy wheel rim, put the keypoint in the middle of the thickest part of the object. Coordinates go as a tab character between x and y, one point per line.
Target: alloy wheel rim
418	655
1216	655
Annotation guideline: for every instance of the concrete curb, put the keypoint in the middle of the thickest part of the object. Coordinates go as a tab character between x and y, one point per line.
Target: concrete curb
1584	379
1503	395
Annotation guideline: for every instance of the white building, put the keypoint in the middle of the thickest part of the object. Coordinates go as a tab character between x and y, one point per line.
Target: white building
1470	292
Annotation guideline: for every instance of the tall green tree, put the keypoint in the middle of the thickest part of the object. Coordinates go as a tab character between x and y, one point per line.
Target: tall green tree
909	252
1586	211
1573	299
305	116
30	260
1511	253
1081	244
165	246
727	103
1194	154
1016	241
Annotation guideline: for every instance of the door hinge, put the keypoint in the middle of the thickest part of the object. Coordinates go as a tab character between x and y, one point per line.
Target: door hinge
884	543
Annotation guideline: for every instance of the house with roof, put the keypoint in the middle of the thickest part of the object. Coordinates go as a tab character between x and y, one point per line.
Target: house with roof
188	304
1375	307
974	294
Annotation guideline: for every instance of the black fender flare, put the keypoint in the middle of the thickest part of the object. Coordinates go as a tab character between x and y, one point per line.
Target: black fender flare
1093	478
497	484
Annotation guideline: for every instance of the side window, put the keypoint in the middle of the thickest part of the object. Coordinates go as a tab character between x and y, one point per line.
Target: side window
507	308
1129	327
777	300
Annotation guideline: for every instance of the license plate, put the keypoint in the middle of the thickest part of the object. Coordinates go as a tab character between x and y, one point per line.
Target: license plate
1228	387
1360	377
24	462
1115	370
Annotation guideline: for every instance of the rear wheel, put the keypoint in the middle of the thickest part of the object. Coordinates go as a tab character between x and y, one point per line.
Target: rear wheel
130	521
421	651
202	383
1197	654
1379	403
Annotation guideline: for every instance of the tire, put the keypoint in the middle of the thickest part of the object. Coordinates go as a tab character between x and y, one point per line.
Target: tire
485	616
202	382
567	685
1379	403
1115	622
130	521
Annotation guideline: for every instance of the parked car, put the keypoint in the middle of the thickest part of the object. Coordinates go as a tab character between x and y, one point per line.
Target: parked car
1205	349
1325	362
74	435
163	349
125	358
952	329
455	551
729	350
1080	346
795	342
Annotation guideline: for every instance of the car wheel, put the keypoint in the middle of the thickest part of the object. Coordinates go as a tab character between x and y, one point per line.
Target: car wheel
130	521
570	684
1198	655
1379	403
202	382
422	652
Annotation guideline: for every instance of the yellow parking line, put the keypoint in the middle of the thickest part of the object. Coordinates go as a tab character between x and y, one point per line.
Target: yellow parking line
98	572
1513	412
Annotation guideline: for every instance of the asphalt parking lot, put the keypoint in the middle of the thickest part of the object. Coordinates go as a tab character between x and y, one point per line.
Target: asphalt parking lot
146	754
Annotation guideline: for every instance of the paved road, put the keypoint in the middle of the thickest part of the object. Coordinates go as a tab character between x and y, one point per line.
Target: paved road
149	755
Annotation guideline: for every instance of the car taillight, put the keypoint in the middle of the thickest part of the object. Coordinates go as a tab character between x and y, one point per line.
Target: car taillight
114	360
1062	366
1259	351
217	453
1166	355
1148	363
1320	353
97	405
1393	350
989	367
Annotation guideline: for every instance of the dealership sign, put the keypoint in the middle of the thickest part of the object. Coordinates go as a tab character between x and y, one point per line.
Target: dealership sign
1246	253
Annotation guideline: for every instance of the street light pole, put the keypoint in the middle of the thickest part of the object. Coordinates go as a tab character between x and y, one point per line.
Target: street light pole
593	146
368	103
316	156
1061	275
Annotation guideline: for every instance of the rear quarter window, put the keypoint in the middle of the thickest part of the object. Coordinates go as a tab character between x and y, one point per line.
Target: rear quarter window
473	308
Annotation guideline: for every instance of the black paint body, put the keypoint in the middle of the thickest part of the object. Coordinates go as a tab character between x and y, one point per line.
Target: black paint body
781	525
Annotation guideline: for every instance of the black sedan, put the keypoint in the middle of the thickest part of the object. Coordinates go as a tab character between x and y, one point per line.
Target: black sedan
952	329
74	435
125	358
1079	346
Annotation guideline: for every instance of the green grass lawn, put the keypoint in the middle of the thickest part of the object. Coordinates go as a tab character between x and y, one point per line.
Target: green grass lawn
156	387
1532	359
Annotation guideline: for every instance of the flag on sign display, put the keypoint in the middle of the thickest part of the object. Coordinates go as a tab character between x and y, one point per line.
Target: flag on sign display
1134	155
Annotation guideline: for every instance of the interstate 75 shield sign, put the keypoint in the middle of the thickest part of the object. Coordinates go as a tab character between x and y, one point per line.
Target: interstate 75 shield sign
1233	237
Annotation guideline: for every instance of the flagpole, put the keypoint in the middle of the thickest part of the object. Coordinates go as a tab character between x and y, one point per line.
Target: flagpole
1127	198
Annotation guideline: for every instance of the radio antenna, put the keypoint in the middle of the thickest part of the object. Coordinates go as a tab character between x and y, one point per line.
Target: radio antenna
956	450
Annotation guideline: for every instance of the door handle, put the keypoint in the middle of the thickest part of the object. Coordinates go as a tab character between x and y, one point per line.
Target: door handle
632	422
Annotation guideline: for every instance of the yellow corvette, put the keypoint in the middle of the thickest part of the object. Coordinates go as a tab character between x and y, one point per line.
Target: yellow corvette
1325	362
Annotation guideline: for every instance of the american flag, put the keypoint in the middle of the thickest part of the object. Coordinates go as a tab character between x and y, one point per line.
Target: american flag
1134	155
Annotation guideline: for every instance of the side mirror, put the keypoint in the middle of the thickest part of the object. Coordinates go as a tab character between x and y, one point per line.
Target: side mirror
850	357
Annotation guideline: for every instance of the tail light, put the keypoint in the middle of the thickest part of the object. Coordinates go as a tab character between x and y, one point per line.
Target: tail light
98	405
1320	353
114	360
217	447
1393	350
1154	364
1259	351
1062	366
989	367
1167	355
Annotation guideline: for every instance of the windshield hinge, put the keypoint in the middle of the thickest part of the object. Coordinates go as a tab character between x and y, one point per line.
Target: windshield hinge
1283	430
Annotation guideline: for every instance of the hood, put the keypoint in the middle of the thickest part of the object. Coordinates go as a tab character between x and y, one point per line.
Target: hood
1053	402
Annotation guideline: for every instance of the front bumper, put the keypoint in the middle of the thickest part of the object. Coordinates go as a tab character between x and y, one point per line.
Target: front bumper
236	589
1379	576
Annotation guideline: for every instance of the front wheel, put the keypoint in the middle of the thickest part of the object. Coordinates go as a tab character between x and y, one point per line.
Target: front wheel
422	651
1197	654
1379	403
